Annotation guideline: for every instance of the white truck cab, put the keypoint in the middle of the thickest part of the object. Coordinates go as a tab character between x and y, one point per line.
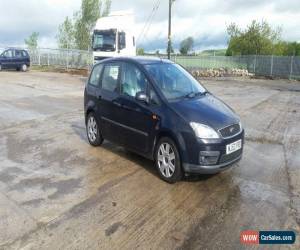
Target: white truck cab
114	36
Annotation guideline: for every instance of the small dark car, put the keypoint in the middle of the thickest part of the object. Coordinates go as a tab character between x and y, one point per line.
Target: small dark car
15	59
157	109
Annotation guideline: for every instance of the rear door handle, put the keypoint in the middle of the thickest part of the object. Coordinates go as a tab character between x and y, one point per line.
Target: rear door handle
99	97
117	103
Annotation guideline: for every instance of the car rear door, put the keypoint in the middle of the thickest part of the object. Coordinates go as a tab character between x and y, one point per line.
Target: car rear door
107	99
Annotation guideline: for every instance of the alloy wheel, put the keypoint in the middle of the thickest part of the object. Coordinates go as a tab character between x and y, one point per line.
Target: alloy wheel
166	160
92	129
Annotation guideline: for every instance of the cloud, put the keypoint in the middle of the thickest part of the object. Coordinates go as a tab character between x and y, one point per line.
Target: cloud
206	21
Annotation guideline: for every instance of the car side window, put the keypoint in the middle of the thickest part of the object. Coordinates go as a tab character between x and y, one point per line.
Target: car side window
110	77
154	100
24	53
18	54
132	80
8	53
95	75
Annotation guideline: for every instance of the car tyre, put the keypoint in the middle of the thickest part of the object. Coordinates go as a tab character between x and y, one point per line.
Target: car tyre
93	130
167	160
0	67
24	67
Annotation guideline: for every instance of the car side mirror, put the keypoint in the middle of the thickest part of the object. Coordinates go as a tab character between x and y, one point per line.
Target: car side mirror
142	97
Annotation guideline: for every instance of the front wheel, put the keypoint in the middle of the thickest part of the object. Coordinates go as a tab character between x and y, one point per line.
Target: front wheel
93	130
167	160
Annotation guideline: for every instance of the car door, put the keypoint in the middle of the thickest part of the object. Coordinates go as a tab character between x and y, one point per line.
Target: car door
7	61
108	106
91	94
18	59
135	117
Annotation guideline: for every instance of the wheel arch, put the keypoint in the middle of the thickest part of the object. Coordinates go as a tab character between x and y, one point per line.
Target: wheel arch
171	135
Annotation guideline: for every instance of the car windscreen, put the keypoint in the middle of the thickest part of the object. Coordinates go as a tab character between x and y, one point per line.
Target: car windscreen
174	81
104	40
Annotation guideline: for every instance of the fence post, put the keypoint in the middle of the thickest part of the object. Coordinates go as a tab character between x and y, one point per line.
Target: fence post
291	68
272	59
39	57
67	59
255	58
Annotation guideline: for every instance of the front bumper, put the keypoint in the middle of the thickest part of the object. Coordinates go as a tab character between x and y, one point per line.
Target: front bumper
217	150
212	169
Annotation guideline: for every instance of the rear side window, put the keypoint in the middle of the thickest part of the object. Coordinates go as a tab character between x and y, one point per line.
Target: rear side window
95	76
18	53
110	77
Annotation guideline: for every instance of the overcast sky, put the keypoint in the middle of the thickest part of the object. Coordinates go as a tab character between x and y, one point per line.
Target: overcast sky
204	20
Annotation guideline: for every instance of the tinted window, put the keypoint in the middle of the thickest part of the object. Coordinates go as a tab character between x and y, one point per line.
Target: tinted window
110	77
18	53
122	40
8	53
132	80
24	53
153	97
95	76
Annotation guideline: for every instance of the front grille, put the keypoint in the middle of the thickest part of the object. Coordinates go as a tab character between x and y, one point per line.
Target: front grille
227	158
230	130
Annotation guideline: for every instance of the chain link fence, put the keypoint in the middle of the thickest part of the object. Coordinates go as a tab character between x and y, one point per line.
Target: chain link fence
270	66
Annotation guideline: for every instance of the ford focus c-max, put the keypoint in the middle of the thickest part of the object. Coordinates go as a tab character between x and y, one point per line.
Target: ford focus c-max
157	109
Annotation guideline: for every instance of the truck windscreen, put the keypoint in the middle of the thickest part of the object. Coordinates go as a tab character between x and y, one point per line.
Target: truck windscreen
104	40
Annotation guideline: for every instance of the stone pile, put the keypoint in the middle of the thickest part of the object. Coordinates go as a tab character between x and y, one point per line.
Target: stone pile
220	72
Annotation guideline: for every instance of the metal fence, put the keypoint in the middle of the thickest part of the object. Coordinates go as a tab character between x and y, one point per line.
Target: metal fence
273	66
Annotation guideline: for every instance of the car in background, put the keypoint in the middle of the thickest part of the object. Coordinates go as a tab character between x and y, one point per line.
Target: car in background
18	59
157	109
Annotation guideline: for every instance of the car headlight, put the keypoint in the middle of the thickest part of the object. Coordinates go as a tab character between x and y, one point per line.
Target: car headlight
204	131
241	126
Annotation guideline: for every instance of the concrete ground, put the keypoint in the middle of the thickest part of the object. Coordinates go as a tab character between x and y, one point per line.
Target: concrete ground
57	192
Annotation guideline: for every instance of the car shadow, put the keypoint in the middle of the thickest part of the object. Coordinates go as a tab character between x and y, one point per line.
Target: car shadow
145	163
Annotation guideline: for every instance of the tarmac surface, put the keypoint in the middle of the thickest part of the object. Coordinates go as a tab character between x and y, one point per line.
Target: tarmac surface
58	192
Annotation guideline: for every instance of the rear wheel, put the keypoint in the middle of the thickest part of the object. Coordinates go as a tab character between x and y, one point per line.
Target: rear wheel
168	161
0	67
24	67
93	130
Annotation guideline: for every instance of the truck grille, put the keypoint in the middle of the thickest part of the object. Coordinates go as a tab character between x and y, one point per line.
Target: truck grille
230	131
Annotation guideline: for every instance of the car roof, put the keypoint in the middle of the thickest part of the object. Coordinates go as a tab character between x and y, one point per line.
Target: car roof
145	60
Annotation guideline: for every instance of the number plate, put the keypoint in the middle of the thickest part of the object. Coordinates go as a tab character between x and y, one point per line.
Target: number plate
232	147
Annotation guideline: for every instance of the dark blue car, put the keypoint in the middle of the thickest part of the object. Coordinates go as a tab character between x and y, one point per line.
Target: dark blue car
157	109
14	59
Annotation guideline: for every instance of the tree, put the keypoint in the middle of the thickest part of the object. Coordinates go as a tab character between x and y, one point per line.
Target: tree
140	51
65	37
77	32
257	38
86	18
186	45
32	40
